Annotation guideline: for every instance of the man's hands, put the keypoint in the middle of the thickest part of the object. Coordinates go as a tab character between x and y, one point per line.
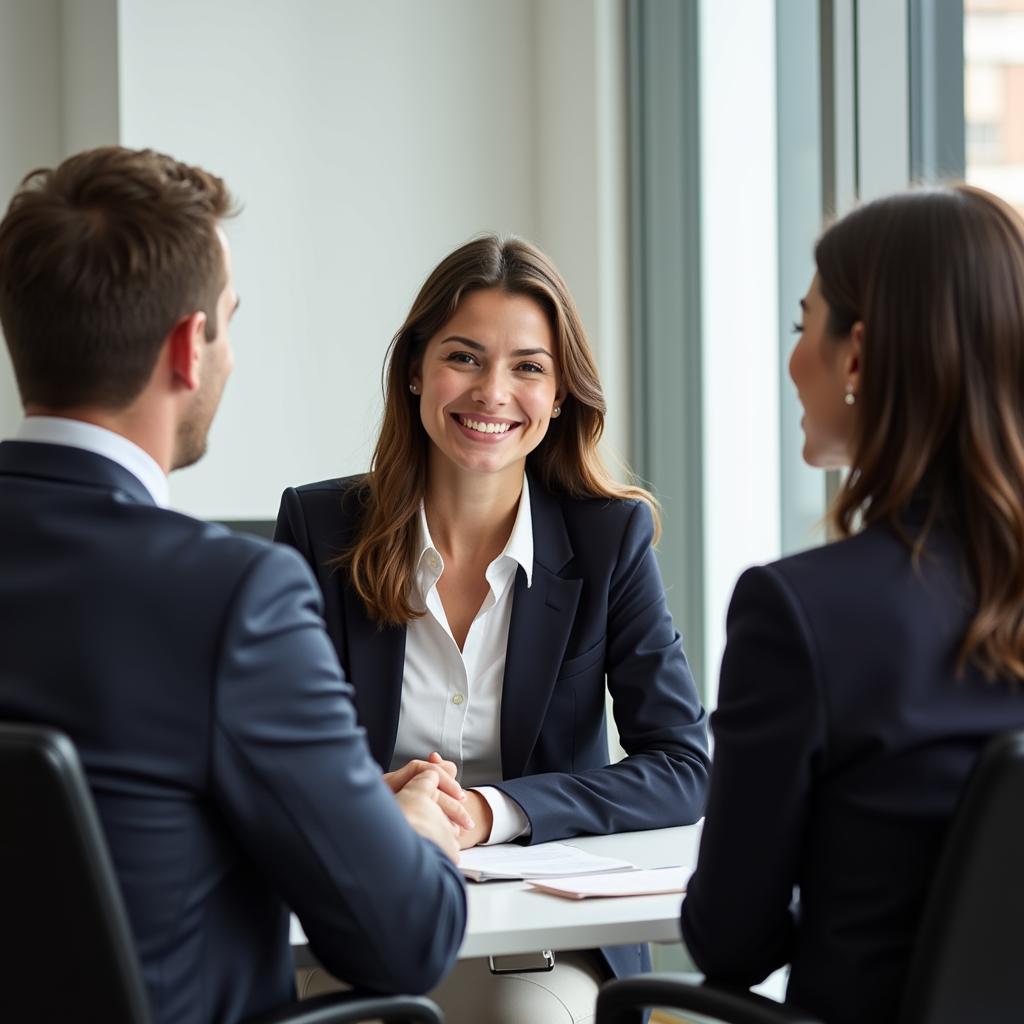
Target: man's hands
468	814
417	800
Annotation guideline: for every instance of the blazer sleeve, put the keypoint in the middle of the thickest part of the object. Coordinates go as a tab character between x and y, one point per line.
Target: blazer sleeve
738	916
662	727
382	908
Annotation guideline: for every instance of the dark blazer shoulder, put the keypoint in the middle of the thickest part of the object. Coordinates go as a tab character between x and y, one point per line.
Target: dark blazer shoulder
330	512
829	586
596	510
872	572
345	492
594	524
864	611
190	543
848	554
337	486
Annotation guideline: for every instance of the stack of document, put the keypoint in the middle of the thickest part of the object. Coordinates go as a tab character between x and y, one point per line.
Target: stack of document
546	860
563	870
654	882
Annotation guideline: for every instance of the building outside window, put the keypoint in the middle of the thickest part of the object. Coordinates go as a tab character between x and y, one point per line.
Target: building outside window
994	96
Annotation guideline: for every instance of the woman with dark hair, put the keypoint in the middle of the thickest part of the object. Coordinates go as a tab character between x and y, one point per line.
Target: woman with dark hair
861	679
487	576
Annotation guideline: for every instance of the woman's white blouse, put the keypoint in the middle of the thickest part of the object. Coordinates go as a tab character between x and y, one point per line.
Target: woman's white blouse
451	699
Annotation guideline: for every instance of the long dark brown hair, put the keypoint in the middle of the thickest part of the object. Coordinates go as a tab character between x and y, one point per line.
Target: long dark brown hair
567	461
937	278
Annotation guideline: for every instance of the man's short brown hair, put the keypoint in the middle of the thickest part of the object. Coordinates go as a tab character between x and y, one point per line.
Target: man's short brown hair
99	259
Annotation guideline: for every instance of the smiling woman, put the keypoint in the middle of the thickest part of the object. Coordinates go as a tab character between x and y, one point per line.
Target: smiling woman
484	276
487	577
489	387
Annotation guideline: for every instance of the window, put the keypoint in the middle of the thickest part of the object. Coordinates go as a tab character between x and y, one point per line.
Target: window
994	96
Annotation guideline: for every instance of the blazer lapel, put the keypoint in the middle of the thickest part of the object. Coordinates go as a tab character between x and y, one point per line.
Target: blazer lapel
376	663
542	619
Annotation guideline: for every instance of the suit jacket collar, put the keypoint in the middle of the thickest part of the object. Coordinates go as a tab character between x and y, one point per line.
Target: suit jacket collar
551	545
538	633
70	465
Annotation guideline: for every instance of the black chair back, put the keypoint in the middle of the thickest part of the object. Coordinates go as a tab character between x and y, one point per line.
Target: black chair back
67	949
967	956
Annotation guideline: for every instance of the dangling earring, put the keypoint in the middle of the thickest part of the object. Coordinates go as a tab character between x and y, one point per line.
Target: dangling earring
556	412
850	398
415	390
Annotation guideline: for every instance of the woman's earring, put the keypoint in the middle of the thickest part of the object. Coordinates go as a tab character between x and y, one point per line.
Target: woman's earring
556	412
850	398
415	390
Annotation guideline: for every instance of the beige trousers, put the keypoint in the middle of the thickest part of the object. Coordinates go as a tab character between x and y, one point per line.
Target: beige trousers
470	994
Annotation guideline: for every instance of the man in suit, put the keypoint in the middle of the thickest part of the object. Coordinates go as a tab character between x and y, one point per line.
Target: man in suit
189	665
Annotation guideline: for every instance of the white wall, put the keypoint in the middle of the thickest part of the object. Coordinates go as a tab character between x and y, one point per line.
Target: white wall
366	141
90	112
30	84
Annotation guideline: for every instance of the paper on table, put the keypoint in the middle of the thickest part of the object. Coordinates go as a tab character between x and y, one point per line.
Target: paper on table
627	883
546	860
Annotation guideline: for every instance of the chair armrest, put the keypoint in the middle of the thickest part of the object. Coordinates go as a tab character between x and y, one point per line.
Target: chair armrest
350	1007
621	1002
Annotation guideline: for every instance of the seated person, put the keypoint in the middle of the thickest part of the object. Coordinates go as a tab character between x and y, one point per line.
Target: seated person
861	679
188	664
485	578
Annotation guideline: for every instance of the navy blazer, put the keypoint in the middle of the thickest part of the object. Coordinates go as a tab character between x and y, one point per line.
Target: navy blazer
191	668
596	610
843	737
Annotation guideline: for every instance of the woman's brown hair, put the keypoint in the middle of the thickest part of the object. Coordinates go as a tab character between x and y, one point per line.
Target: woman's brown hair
567	461
937	279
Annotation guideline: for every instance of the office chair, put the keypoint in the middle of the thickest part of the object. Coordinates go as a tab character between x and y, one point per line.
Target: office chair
59	900
966	962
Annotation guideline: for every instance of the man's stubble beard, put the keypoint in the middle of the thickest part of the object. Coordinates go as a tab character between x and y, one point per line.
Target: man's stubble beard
190	445
192	439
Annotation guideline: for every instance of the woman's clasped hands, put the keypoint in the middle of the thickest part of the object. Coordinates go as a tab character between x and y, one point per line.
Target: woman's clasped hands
468	813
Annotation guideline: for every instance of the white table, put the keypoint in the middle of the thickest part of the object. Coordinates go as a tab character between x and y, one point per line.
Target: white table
508	917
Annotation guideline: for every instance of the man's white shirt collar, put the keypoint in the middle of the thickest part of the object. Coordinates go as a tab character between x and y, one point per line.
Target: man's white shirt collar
100	441
519	548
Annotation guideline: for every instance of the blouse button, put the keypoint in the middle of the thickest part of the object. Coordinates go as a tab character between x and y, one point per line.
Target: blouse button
458	698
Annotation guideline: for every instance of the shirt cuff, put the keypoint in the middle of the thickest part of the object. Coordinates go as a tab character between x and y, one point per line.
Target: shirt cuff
509	819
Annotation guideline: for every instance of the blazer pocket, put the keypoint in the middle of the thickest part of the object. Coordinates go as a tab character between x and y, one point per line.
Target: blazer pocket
589	658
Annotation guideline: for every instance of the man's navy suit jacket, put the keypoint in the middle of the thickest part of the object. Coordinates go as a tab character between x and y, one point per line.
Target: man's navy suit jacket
191	668
843	737
596	609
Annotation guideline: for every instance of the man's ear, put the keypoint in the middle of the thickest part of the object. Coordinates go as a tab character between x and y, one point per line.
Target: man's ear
186	341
